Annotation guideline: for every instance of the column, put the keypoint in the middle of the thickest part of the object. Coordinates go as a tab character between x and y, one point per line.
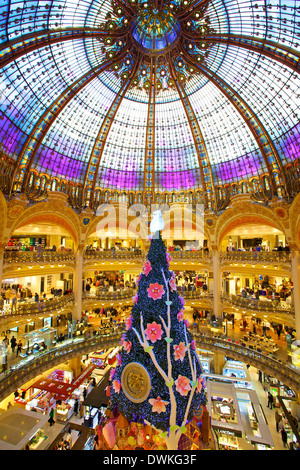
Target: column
75	365
219	361
78	283
217	285
1	263
295	259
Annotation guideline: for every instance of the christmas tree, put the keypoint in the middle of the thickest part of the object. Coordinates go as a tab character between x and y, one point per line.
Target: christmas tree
158	374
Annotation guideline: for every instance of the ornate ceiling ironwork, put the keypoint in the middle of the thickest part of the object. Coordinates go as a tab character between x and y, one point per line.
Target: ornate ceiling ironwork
151	96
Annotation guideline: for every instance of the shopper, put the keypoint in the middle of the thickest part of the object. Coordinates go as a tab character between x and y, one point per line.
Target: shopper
14	304
13	343
284	437
278	418
19	348
270	400
7	296
51	417
76	406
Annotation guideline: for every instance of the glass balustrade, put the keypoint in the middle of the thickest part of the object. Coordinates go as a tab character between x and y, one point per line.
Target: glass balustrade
263	305
81	345
101	294
15	256
257	256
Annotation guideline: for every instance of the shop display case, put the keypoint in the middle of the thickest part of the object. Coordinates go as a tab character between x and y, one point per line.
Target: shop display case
91	416
112	356
226	441
234	369
34	340
64	410
40	400
36	440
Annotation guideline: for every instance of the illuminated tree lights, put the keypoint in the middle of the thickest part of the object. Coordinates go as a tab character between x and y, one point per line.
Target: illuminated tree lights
158	377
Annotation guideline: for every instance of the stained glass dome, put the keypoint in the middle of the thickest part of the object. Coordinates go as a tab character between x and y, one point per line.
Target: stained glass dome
155	29
150	96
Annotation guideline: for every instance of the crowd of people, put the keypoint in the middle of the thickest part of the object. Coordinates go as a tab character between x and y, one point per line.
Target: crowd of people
259	247
114	248
109	282
269	290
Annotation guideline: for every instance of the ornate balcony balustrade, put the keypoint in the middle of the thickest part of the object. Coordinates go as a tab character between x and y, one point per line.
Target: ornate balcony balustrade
26	370
120	255
19	256
262	305
191	255
57	303
257	256
38	308
284	372
100	294
31	257
195	294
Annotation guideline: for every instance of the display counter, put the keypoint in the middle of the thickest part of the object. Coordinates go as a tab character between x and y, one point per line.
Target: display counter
206	360
229	440
64	410
237	417
35	340
91	416
40	400
112	356
38	439
235	369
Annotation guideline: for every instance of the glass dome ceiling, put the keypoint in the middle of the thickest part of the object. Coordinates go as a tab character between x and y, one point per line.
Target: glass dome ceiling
135	95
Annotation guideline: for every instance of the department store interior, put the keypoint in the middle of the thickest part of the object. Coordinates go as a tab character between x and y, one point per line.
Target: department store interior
110	111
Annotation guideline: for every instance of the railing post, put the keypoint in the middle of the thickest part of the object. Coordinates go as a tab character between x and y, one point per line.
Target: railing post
2	247
295	260
78	283
217	284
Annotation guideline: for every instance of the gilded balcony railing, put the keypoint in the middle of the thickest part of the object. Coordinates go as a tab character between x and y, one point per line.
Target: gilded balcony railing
193	255
195	294
21	373
257	256
262	305
28	257
120	255
101	294
37	308
284	371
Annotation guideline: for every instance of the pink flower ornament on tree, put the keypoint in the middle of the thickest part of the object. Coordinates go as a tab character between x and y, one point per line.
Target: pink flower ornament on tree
172	283
200	384
128	323
179	351
158	405
180	316
147	268
117	386
153	332
112	374
155	291
183	385
127	346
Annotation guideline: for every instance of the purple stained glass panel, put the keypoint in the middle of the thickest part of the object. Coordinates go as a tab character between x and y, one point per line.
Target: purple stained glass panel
178	180
243	167
11	137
